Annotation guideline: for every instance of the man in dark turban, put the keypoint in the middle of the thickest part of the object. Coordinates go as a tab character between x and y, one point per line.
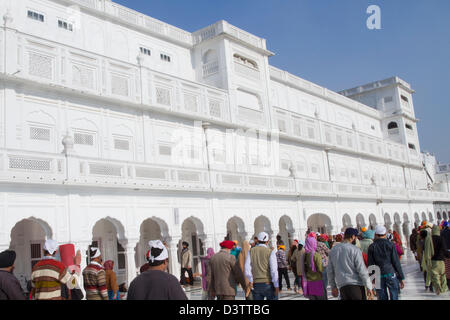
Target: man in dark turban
10	288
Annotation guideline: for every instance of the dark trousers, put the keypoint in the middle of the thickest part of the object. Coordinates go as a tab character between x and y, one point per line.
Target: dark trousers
352	292
264	290
183	273
389	285
283	272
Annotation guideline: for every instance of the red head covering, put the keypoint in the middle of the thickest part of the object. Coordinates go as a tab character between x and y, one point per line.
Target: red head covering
227	244
108	265
312	234
339	238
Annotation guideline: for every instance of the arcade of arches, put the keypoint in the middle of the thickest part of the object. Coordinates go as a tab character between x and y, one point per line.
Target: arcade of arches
28	235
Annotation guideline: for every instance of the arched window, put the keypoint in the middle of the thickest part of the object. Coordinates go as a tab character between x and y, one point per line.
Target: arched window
392	125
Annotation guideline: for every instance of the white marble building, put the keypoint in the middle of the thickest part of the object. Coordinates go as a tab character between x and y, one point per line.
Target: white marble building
117	128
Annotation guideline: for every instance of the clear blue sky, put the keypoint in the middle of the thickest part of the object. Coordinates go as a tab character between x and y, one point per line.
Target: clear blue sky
327	42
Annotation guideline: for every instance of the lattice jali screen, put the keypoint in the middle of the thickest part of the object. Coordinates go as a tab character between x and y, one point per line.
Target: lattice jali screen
121	144
163	96
119	85
256	181
228	179
150	173
190	103
188	176
281	183
84	139
37	133
83	76
105	169
17	162
215	109
40	65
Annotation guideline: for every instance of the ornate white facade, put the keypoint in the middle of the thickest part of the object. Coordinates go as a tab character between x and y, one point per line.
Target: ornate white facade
118	128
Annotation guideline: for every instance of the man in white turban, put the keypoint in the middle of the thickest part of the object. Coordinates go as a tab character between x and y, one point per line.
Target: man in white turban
155	283
49	274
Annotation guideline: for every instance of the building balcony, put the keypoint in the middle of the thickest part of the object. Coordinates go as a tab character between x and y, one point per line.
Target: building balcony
38	168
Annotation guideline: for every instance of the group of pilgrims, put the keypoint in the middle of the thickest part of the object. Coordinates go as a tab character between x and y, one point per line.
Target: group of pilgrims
339	262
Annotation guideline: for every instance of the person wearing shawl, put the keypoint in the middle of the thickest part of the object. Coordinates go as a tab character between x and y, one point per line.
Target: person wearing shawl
236	250
440	252
312	271
111	281
206	273
367	240
397	238
428	253
324	251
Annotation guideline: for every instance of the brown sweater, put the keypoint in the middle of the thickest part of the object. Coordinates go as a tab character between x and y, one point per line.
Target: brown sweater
111	281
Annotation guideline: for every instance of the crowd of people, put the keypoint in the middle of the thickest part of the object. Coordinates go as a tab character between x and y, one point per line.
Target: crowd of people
340	262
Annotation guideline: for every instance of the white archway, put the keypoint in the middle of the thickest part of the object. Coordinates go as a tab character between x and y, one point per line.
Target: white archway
387	221
236	230
346	222
320	222
150	229
27	240
192	232
286	230
372	221
360	222
108	234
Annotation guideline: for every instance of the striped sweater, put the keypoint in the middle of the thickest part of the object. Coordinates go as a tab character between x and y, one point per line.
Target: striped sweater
46	279
94	278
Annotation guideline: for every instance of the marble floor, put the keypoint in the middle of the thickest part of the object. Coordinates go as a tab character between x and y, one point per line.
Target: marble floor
414	286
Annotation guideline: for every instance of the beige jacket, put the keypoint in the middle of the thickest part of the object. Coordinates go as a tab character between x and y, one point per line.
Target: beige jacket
186	258
225	274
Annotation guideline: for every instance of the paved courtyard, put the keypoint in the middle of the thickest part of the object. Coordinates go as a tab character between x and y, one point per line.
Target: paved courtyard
414	286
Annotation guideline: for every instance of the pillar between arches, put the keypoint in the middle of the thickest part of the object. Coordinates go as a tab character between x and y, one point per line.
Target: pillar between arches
131	262
174	264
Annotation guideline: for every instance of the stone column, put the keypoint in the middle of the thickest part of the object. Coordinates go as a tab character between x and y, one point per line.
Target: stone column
174	264
302	234
130	260
218	239
209	242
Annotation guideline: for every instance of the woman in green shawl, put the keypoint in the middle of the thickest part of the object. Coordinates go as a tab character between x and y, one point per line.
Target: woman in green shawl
428	253
437	261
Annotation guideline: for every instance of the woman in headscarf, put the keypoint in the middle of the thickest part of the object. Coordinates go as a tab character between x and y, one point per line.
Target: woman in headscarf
397	238
428	252
111	281
367	240
438	277
312	271
206	273
236	250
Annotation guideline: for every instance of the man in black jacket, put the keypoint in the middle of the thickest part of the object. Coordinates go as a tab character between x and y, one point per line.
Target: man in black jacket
10	288
382	253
